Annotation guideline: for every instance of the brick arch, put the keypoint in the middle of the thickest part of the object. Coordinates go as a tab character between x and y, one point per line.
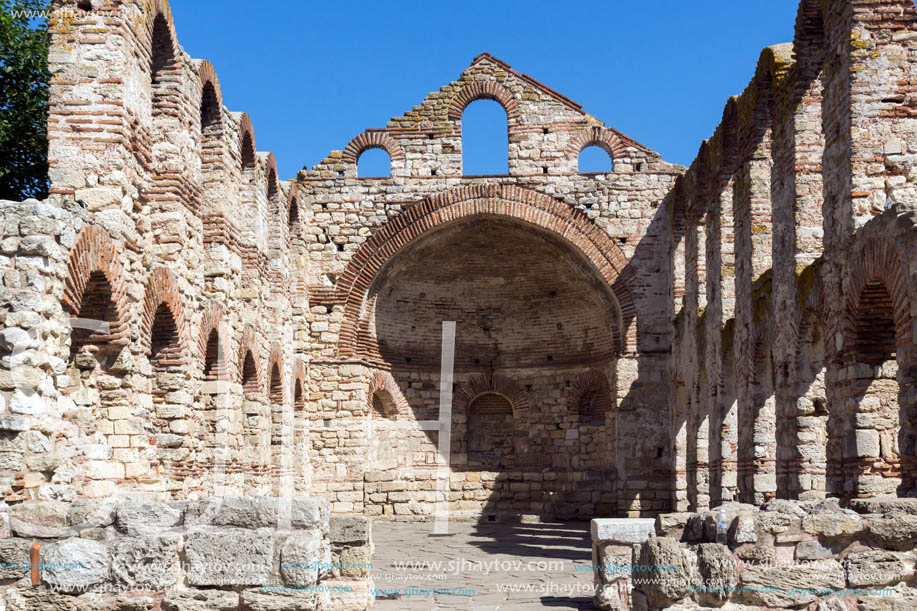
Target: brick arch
154	9
374	139
272	183
383	380
592	380
213	321
530	207
299	376
247	151
875	260
485	90
95	251
605	139
162	289
249	345
208	74
485	383
275	359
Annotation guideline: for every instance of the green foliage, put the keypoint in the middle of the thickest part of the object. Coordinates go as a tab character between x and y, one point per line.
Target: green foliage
23	99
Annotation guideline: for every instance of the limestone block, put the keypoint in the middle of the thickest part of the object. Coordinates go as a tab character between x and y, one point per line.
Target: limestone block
145	562
878	568
300	557
662	589
719	569
895	531
671	524
280	599
14	558
200	600
39	519
73	564
229	556
355	530
790	586
148	517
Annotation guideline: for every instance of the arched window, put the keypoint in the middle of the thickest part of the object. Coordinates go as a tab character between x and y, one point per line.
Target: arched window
299	398
211	124
97	305
594	159
276	388
485	139
248	156
163	65
374	162
271	184
384	405
490	432
593	405
164	350
293	215
249	373
875	325
213	367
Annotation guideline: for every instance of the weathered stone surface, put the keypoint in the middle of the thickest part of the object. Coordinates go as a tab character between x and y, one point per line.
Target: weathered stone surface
229	556
14	558
149	562
833	524
900	598
894	531
243	512
23	597
139	518
39	519
671	524
91	513
878	568
350	529
200	600
787	586
300	557
280	599
884	506
114	602
622	530
73	564
662	588
719	571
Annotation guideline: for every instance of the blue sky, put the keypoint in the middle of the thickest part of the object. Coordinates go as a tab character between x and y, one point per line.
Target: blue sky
314	75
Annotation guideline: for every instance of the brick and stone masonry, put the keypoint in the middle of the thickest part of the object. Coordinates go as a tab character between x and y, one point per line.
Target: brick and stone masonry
179	323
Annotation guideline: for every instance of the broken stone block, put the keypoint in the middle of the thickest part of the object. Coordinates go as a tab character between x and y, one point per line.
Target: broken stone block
229	556
878	568
139	518
145	562
300	557
350	529
74	564
200	600
790	586
718	570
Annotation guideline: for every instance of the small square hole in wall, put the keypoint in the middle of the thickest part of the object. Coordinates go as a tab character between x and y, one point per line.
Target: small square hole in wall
567	383
638	167
407	359
340	173
340	247
658	452
431	136
491	518
545	169
550	357
477	361
433	172
544	130
622	240
326	423
528	388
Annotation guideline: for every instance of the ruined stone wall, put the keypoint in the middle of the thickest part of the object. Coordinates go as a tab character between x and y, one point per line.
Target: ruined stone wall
152	180
804	387
365	230
783	555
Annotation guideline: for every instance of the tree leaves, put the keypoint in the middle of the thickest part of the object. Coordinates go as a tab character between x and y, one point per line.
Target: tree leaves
23	99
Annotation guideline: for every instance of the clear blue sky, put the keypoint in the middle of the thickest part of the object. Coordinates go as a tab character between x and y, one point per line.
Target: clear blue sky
313	75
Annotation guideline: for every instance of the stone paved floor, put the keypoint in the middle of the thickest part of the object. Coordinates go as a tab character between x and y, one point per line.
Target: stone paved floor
536	560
